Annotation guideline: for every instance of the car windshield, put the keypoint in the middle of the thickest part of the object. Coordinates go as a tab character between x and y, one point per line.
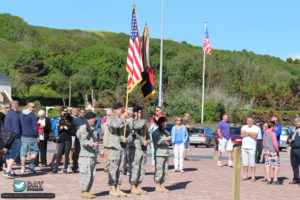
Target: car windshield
284	132
197	132
235	131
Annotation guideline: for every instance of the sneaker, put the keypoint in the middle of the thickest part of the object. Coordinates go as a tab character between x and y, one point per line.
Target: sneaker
219	163
31	167
9	175
54	171
65	171
23	170
230	163
52	165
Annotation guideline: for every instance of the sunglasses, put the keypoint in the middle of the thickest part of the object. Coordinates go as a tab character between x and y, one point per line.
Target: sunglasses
32	106
157	111
7	107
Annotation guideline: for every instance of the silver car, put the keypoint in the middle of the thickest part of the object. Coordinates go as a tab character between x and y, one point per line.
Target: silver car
202	136
284	137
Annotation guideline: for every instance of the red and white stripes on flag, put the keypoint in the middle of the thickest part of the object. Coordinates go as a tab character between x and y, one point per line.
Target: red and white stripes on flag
206	46
134	58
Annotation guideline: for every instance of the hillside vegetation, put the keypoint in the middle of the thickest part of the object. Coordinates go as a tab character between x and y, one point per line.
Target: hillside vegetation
43	61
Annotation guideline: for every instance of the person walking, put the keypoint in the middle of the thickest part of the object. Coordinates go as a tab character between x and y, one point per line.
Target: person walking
179	134
12	124
271	152
162	153
224	140
66	130
249	134
89	141
294	140
116	150
30	136
137	151
44	128
78	121
259	144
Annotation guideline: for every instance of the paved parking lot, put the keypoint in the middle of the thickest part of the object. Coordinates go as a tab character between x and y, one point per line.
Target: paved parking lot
202	180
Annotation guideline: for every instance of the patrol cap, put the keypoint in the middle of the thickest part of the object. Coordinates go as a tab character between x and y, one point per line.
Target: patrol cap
137	108
297	119
116	106
90	115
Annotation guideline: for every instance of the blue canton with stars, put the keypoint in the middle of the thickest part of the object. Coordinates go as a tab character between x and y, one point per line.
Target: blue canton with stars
134	30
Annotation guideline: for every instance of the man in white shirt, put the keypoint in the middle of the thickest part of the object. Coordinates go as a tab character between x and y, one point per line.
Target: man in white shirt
249	134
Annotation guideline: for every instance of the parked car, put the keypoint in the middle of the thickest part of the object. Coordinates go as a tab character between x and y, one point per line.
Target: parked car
202	136
235	133
283	137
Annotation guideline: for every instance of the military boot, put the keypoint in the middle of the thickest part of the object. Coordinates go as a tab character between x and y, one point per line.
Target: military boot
122	194
163	188
134	189
140	189
113	191
158	188
87	195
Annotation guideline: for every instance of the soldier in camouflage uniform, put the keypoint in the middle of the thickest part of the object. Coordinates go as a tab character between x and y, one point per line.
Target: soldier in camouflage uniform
137	151
89	142
161	152
116	150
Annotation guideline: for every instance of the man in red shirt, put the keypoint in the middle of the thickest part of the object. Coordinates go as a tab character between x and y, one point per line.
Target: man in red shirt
158	114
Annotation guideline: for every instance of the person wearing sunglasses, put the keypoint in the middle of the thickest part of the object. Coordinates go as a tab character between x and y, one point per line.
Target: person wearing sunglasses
30	136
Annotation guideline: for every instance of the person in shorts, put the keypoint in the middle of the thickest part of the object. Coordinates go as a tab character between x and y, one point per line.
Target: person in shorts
224	140
30	136
249	134
271	151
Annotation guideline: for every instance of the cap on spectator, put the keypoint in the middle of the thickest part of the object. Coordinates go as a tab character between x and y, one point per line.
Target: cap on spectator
90	115
297	119
41	113
257	121
116	106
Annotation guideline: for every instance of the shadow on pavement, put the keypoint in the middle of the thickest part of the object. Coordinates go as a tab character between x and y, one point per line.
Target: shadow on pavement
177	186
104	193
190	169
99	169
259	177
281	179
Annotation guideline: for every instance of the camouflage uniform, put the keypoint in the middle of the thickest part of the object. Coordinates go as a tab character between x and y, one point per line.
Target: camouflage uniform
116	150
137	150
87	157
161	153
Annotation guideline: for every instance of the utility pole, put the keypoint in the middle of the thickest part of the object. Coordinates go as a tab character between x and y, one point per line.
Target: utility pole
70	91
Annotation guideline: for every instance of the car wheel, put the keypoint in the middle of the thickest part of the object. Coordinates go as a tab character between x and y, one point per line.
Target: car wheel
208	144
280	148
196	145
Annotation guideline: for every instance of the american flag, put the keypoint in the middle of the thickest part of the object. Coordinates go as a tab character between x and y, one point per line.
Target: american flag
206	46
134	57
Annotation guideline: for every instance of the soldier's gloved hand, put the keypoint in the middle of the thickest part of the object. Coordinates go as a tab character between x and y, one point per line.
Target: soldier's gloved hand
169	138
145	143
124	140
96	144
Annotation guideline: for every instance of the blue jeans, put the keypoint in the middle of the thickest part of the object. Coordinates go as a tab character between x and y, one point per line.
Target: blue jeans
29	144
14	150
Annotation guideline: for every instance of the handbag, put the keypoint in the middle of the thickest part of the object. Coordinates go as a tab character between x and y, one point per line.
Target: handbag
7	137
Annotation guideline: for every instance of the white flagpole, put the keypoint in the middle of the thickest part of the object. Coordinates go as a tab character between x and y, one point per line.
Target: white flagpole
161	57
203	79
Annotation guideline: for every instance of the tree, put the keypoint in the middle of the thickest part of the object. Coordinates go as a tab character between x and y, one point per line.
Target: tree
30	66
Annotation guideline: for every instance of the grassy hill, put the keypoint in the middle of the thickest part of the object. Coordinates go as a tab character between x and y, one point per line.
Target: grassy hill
42	61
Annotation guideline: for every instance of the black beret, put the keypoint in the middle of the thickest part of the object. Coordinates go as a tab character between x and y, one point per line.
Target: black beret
137	108
162	120
116	106
90	115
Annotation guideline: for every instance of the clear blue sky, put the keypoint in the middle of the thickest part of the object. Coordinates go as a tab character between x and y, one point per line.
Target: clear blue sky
264	27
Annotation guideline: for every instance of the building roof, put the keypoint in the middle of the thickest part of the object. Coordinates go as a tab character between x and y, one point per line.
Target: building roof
4	77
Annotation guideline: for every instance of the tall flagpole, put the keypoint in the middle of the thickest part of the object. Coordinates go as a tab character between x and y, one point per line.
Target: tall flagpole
203	78
161	57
